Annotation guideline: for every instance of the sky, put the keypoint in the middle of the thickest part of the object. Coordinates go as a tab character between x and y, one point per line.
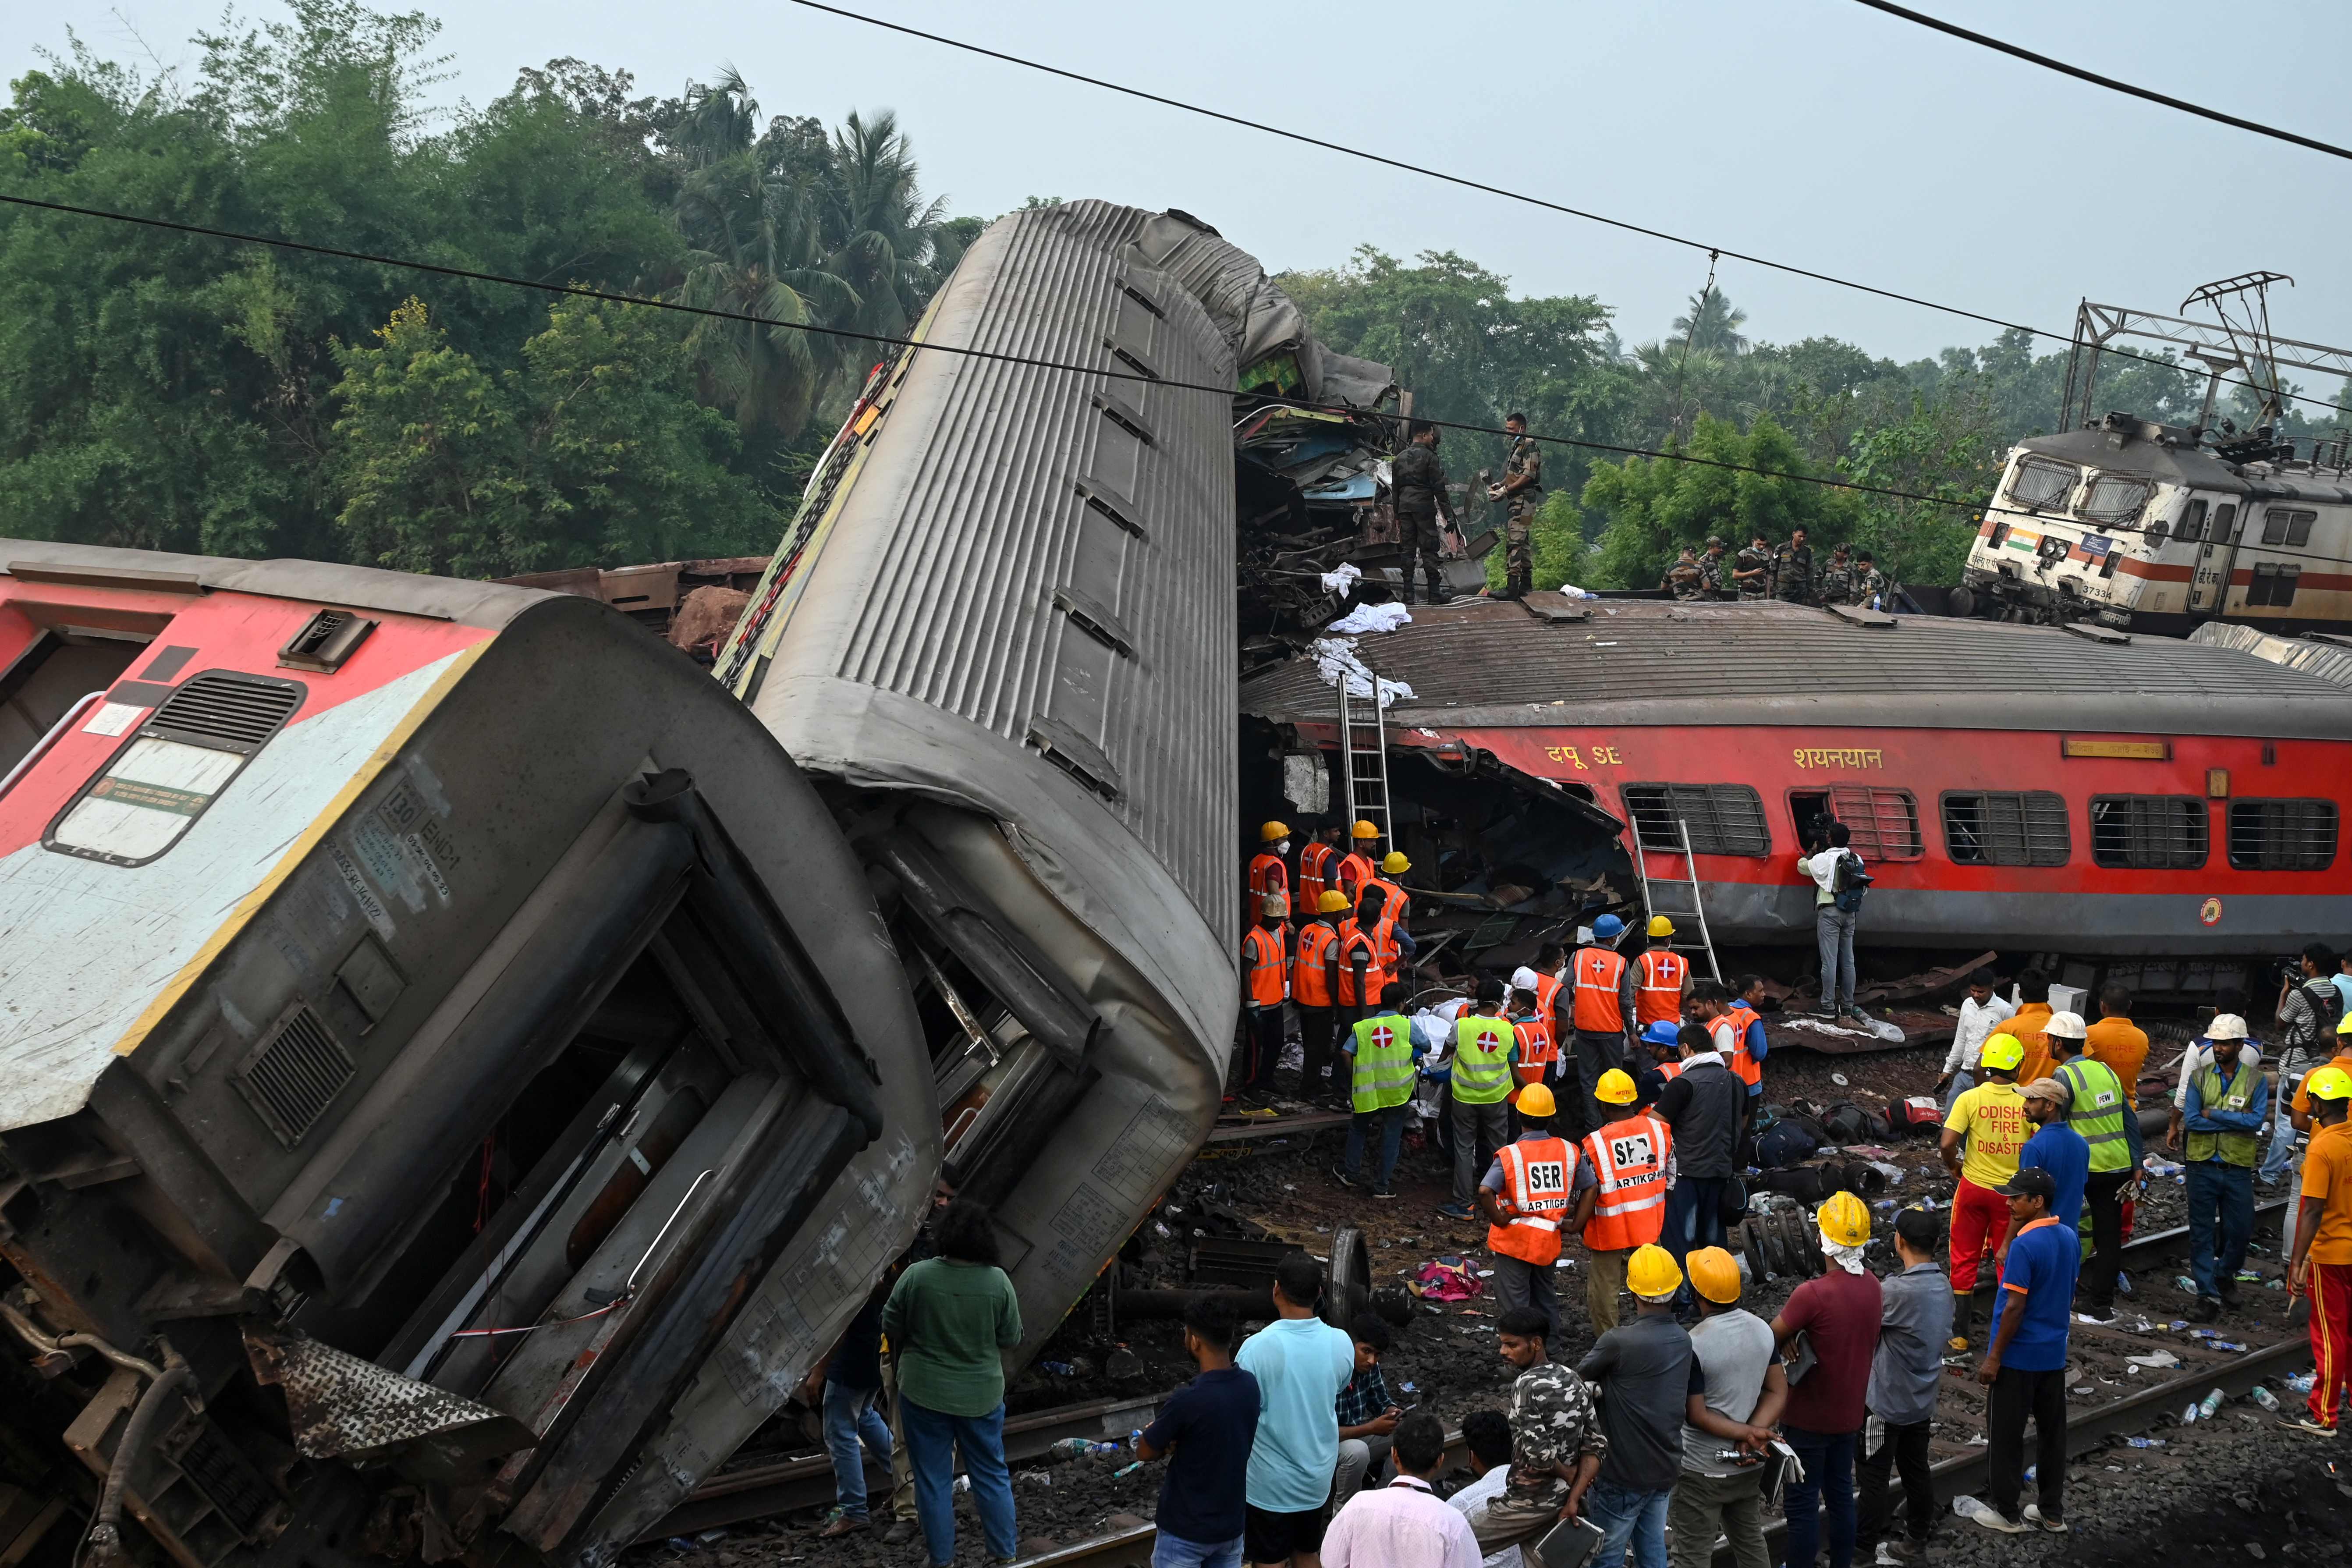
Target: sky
1816	132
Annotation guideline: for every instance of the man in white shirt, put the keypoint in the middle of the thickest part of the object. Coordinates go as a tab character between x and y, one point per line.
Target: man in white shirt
1486	1435
1834	926
1980	1012
1404	1525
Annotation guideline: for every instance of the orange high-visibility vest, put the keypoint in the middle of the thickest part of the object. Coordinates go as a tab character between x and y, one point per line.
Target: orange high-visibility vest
1658	987
1548	994
1311	971
1599	971
1537	1050
1670	1070
1269	973
1629	1163
1267	874
1749	1070
1355	871
1355	939
1314	876
1537	1178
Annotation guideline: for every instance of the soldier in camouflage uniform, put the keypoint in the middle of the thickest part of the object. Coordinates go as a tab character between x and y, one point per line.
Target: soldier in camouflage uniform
1418	480
1522	489
1793	570
1752	572
1684	579
1837	582
1871	586
1715	572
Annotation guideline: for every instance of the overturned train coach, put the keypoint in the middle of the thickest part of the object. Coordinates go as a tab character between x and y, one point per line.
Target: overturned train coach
454	1078
1000	634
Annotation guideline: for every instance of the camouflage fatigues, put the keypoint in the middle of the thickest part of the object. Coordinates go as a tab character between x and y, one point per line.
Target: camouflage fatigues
1553	1422
1684	579
1870	587
1418	480
1837	582
1714	576
1793	573
1518	547
1754	560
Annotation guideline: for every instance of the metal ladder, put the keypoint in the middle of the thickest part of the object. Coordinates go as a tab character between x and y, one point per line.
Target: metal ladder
1676	889
1364	761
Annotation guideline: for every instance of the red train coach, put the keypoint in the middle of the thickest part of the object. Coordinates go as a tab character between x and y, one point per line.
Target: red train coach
2035	789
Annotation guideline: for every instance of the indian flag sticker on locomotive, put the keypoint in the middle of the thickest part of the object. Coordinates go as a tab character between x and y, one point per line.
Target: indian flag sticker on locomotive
145	799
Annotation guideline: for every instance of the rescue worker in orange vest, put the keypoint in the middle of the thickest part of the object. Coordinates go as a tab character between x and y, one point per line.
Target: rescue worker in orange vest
1626	1205
1318	864
1268	872
1551	975
1360	978
1662	1042
1315	993
1538	1057
1356	867
1661	976
1599	999
1527	1197
1747	1059
1265	986
1381	904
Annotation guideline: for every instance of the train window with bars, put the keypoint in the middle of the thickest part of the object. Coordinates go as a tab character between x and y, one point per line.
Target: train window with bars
2006	827
1724	819
2115	497
2282	835
2043	483
2148	832
2273	584
2281	526
1884	822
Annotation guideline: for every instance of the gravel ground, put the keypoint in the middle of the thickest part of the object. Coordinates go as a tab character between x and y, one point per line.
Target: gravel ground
2198	1488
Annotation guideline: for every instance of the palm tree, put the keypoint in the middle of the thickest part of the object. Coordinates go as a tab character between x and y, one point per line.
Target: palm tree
880	235
1712	324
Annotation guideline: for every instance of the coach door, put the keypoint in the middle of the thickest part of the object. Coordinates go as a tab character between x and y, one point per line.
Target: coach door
2209	584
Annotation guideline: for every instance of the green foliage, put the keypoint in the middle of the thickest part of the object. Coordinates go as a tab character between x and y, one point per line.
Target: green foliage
1656	505
1943	448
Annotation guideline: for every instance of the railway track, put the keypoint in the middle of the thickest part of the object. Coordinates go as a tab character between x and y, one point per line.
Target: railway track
2139	1400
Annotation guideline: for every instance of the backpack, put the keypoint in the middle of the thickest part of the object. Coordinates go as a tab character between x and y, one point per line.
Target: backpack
1847	1123
1849	882
2326	1003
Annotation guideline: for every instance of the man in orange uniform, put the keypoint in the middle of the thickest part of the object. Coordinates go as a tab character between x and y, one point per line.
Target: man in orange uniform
2322	1268
1265	986
1661	976
1990	1119
1356	867
1268	875
1601	1013
1318	864
1525	1199
1381	904
2025	1026
1313	991
1539	1055
1626	1207
1360	978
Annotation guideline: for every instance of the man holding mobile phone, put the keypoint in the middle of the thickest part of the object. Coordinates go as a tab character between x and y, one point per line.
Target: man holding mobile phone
1555	1438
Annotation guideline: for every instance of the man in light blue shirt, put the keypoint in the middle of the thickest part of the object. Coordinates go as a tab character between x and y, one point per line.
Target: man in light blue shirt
1301	1363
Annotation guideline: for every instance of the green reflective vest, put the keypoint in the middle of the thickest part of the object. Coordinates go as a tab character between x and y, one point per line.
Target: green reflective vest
1482	1058
2097	1112
1383	1062
2237	1093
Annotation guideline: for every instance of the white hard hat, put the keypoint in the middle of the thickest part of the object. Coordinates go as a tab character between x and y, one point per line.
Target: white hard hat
2065	1025
1525	979
2226	1026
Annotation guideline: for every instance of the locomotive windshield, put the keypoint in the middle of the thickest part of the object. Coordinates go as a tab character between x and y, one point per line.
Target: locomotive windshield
2115	497
2043	483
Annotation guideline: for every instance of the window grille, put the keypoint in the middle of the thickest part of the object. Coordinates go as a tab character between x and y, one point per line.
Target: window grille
2043	483
2115	498
2148	832
2281	526
2006	827
2282	835
1884	822
1724	819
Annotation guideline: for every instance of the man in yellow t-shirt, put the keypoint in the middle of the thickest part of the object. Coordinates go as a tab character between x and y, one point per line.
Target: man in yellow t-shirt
1989	1122
2321	1266
2302	1102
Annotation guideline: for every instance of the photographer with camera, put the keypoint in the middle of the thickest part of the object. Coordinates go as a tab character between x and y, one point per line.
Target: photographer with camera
1839	882
2309	1004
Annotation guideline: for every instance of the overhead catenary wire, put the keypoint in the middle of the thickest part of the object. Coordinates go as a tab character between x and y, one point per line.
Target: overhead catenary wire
1466	183
2000	45
881	339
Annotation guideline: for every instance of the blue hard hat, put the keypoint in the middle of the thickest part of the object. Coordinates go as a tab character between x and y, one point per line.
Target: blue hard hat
1664	1032
1608	926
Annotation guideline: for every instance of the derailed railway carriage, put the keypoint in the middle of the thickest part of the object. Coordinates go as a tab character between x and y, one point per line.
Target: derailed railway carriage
454	1076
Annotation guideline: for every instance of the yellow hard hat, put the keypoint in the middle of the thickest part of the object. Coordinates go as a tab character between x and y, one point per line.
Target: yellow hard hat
1616	1088
1536	1100
1396	863
1661	926
2003	1052
1844	1219
2328	1082
1332	902
1273	832
1363	830
2344	1025
1714	1273
1651	1272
